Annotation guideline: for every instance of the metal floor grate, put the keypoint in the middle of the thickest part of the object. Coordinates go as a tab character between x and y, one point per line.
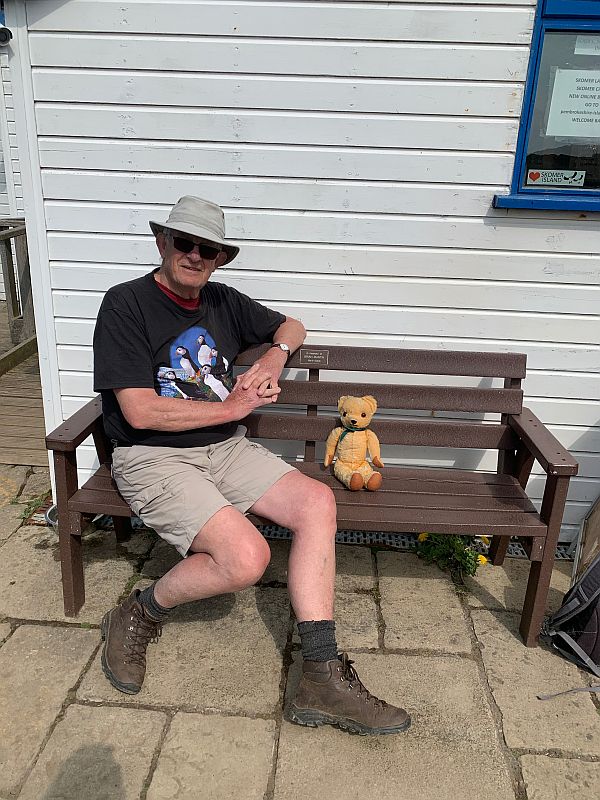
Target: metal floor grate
403	541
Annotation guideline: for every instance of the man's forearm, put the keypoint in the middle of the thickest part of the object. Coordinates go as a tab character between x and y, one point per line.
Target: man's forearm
291	332
144	409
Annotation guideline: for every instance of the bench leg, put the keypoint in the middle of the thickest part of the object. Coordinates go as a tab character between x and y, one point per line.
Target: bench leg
540	573
536	596
71	564
123	529
498	549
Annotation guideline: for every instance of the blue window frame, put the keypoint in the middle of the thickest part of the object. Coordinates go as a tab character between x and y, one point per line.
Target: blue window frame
557	161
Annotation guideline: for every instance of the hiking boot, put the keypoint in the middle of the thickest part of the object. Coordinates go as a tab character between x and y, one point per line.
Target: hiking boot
331	693
127	632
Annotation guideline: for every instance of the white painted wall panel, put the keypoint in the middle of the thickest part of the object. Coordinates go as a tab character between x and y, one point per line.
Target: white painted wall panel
264	56
298	93
347	163
355	147
351	21
128	122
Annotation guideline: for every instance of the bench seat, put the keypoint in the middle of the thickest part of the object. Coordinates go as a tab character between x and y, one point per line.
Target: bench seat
410	501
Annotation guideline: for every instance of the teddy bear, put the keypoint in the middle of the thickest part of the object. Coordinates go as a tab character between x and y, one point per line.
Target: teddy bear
350	443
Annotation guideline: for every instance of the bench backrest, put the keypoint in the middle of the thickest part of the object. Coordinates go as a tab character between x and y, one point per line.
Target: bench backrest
319	391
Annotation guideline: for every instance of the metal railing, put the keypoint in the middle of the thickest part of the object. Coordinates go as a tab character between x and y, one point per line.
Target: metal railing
17	279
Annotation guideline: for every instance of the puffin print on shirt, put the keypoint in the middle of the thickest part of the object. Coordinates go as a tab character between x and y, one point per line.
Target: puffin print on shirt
198	371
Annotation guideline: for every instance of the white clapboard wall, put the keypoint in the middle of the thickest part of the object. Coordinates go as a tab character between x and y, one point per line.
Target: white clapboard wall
11	191
355	147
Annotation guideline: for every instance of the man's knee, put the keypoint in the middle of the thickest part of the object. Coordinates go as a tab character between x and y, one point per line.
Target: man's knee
249	562
319	504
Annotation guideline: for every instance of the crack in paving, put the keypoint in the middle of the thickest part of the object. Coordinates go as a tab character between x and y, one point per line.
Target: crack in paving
512	762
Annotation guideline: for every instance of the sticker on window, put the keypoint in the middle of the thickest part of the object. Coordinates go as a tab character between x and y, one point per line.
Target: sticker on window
555	177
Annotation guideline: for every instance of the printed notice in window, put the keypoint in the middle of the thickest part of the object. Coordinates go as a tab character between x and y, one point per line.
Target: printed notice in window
575	105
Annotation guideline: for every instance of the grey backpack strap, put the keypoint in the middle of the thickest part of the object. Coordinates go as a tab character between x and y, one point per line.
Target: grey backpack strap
585	660
568	691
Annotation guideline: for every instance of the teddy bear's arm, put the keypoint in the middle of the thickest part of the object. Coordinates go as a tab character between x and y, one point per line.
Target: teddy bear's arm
374	449
331	444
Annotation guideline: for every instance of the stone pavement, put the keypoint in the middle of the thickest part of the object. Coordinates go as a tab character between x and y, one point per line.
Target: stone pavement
209	722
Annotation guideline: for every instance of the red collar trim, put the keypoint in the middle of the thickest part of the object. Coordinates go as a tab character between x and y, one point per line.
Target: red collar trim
184	302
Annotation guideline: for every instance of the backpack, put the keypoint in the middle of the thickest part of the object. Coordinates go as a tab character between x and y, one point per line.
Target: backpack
574	630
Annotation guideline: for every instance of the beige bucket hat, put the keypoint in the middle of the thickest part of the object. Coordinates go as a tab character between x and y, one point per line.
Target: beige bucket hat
198	217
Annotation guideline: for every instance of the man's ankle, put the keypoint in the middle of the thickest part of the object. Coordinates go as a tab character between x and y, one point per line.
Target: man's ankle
152	608
318	640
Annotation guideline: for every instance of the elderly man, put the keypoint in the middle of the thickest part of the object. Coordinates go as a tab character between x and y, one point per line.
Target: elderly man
188	471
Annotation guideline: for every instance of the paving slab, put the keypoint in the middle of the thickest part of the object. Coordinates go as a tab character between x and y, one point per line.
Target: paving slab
357	623
30	579
560	778
503	587
11	481
214	756
38	665
443	694
224	653
517	674
420	607
37	483
96	754
11	519
317	762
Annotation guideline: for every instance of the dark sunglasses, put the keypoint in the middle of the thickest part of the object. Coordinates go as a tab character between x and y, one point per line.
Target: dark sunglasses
186	246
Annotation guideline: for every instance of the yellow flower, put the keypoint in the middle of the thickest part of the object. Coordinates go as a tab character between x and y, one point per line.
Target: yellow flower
485	539
482	559
422	536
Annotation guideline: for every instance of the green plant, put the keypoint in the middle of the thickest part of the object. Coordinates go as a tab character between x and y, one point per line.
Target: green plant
33	505
454	554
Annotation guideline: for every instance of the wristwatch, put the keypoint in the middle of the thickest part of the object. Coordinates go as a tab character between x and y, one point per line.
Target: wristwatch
283	346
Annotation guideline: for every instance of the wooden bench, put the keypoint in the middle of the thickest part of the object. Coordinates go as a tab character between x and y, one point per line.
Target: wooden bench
411	500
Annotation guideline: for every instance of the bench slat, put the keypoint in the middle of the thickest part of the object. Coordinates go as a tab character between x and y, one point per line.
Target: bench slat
386	359
391	483
423	398
417	433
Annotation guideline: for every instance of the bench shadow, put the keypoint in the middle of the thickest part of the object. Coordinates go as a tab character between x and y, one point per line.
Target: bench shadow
91	772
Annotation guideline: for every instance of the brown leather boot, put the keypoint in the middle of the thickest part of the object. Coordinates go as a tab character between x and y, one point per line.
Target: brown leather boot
127	632
331	693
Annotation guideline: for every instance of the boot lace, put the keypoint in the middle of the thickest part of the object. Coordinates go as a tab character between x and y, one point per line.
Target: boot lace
141	632
350	674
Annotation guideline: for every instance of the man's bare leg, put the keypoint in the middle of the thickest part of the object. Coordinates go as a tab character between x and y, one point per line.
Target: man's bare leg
307	508
227	555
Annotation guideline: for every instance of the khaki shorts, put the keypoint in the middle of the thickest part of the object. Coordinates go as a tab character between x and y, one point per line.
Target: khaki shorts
176	490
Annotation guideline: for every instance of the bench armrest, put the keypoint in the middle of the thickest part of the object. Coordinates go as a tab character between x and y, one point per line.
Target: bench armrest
542	444
77	428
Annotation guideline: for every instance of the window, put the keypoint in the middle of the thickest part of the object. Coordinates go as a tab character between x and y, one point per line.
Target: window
557	163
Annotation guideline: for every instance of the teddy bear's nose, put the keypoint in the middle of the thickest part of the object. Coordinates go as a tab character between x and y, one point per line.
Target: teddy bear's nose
353	421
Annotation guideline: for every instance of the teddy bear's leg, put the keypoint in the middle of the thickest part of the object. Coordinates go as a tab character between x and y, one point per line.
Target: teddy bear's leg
348	476
374	482
365	471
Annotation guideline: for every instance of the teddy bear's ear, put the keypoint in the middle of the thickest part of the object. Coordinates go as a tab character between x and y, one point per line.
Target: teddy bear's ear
341	401
371	402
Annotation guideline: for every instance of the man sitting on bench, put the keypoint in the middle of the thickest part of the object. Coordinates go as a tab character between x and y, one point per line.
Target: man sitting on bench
187	470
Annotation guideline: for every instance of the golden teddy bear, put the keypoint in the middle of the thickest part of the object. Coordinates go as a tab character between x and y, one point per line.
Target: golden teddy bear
350	443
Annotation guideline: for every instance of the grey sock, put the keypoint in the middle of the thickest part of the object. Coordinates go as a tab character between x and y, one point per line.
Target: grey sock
318	640
151	607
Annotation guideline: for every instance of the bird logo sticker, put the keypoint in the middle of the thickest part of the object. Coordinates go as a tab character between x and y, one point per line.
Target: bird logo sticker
197	369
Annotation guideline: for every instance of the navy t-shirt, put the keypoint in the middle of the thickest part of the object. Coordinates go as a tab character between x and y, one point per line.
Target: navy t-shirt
143	339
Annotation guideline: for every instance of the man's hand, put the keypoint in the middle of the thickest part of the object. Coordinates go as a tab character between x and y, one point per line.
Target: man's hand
264	374
242	402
